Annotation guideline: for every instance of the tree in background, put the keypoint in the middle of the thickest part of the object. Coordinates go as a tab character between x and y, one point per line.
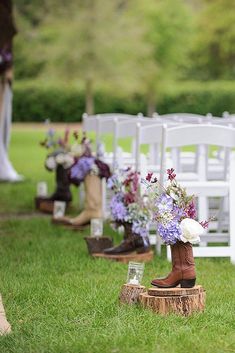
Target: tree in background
90	41
214	47
169	33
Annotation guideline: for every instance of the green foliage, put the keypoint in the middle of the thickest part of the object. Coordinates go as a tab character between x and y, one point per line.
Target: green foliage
214	45
36	102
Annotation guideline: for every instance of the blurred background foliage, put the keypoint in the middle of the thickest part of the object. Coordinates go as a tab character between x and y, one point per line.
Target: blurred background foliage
141	52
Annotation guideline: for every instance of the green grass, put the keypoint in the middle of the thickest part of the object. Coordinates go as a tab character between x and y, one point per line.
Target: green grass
59	300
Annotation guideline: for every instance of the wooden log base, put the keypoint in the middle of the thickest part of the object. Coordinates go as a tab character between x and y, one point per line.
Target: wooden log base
144	257
5	327
130	293
98	244
180	301
46	206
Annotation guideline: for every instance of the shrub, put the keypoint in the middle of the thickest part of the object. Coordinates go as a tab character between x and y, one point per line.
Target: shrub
34	101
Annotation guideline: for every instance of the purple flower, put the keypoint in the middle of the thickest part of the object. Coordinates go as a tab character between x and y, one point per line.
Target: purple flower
170	233
178	213
191	210
118	209
81	168
164	203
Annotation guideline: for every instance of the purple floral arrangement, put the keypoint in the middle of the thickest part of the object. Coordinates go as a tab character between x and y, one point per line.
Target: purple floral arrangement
173	210
127	205
86	164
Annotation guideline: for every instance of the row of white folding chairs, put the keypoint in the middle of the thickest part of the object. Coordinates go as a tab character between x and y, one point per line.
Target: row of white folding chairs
152	128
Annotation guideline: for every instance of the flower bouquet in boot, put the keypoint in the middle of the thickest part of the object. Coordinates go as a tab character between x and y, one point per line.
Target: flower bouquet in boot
88	169
131	211
175	214
59	160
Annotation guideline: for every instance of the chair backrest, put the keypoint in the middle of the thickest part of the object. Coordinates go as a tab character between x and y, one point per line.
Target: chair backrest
198	135
184	118
149	134
127	128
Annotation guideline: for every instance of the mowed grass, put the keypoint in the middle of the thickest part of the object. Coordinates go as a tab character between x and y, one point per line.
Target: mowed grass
60	300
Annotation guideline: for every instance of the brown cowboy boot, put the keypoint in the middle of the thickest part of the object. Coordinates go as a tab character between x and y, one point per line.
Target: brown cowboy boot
183	268
93	203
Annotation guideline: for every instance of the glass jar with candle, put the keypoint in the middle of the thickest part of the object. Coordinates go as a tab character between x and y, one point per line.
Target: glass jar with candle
59	209
135	273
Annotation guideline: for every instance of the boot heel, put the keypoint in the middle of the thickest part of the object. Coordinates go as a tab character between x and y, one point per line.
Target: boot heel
187	283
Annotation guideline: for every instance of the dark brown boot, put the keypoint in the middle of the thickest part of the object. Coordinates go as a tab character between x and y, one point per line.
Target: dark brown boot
183	268
62	192
131	243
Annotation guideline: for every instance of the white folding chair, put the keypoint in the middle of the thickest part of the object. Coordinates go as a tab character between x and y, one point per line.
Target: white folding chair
202	136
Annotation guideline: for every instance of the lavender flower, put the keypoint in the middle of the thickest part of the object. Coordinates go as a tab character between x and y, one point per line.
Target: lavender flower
170	233
81	168
118	209
164	203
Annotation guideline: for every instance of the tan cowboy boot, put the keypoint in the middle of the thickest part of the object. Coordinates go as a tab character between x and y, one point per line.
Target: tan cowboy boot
183	268
5	327
93	203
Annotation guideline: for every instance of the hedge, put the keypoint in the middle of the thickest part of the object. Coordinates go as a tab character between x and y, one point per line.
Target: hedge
36	102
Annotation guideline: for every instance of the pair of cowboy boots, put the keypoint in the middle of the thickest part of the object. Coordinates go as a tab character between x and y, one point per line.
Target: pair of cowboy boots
183	268
131	243
92	206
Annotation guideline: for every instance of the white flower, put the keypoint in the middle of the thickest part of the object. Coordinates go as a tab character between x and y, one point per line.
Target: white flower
60	158
94	170
191	231
50	163
76	149
68	161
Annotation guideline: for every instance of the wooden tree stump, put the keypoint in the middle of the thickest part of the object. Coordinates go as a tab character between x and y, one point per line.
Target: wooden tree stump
46	206
181	301
125	258
130	293
5	327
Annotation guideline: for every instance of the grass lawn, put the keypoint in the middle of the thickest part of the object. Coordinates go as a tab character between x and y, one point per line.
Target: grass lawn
60	300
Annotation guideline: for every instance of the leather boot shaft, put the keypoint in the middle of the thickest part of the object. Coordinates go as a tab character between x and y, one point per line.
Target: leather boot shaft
183	267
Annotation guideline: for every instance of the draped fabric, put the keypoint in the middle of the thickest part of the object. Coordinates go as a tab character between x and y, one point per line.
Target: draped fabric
7	32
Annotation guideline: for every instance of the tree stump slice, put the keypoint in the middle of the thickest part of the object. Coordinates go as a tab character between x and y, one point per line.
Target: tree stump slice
144	257
180	301
130	293
46	206
5	327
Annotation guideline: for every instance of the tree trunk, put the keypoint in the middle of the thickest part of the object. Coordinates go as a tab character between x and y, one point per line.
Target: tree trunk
180	301
130	293
89	97
151	102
